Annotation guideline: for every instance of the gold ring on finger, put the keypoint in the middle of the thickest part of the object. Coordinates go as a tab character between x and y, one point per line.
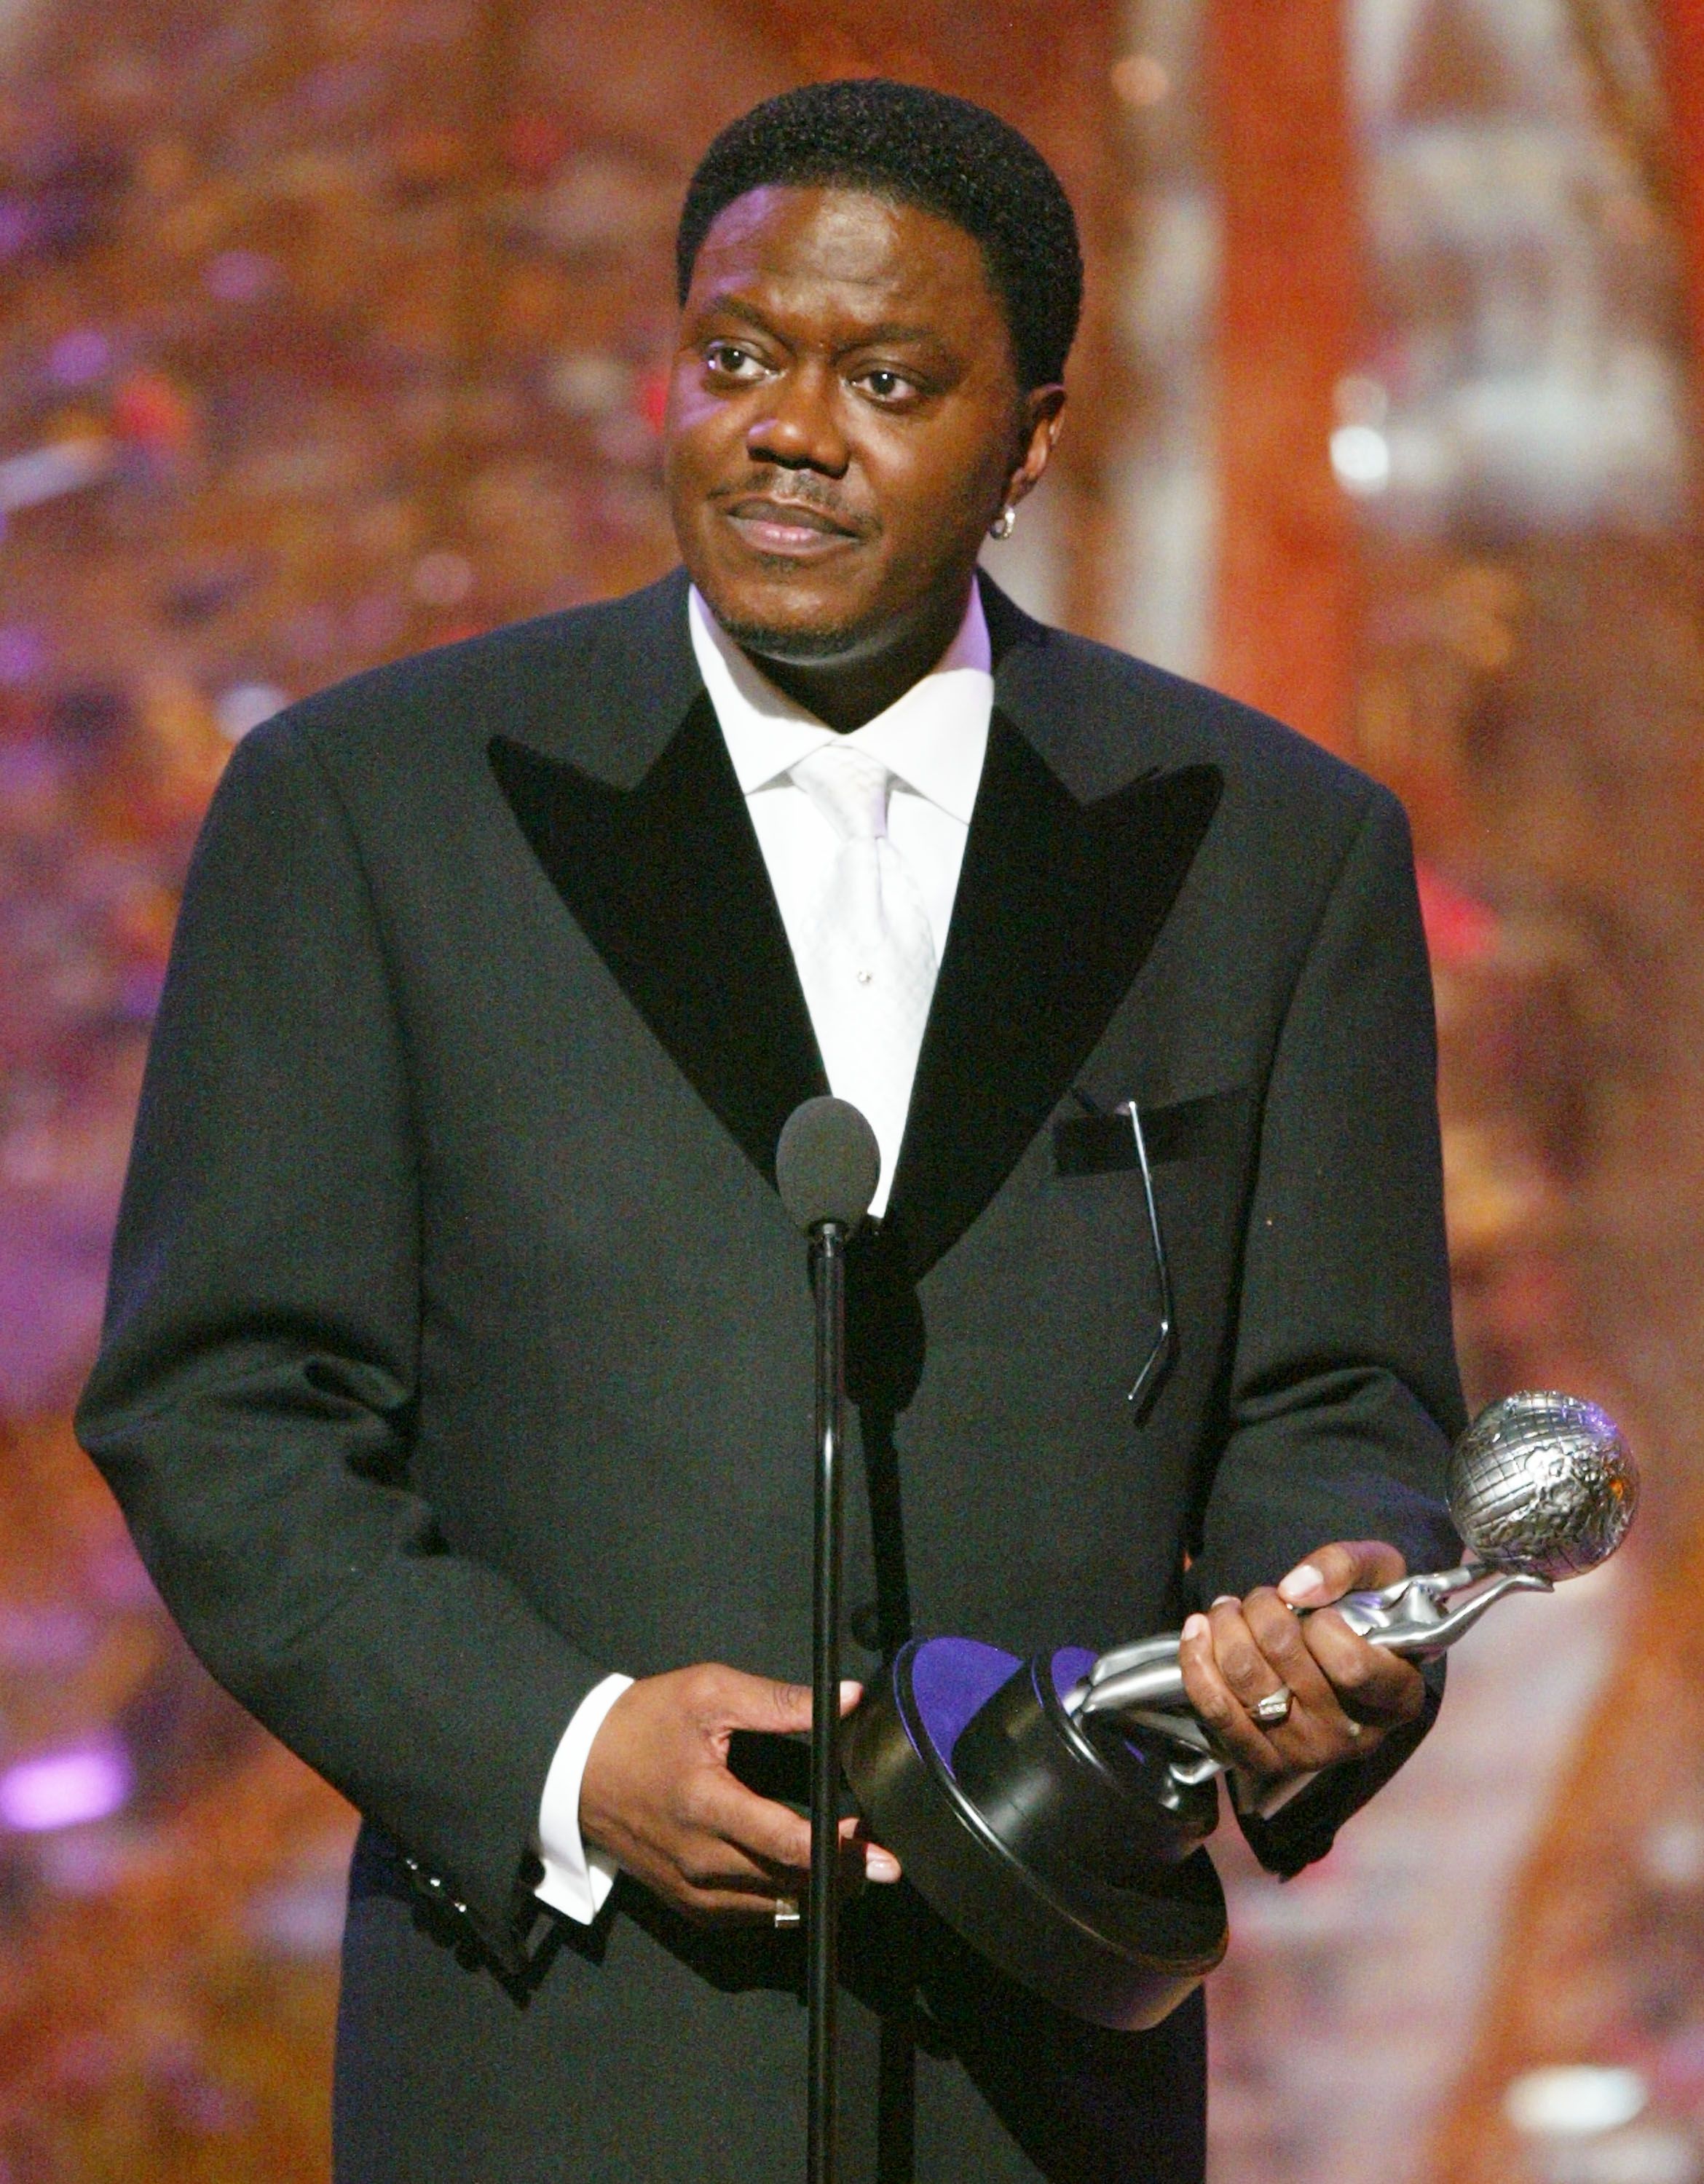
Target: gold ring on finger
786	1910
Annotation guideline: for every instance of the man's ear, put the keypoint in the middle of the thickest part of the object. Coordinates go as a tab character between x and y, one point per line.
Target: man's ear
1040	416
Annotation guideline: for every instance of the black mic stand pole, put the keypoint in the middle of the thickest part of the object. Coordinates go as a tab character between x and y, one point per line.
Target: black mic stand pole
828	1270
827	1166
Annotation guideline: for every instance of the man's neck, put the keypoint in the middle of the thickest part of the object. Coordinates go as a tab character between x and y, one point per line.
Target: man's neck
845	692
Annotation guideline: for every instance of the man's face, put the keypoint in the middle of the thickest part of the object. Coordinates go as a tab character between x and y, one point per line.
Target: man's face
843	419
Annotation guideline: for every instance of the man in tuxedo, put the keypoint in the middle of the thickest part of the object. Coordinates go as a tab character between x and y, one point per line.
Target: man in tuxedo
456	1380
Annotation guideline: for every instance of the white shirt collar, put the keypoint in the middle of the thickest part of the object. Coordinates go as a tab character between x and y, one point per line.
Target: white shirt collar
932	738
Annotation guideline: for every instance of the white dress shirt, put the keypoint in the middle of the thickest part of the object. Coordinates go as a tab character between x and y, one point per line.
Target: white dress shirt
933	740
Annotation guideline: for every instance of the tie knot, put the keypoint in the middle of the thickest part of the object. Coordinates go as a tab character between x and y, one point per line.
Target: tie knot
849	787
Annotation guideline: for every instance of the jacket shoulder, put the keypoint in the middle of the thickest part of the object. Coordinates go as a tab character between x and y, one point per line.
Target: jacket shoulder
595	659
1102	714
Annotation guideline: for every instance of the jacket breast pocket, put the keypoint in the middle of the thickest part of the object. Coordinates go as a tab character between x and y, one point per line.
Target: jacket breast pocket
1201	1128
1133	1140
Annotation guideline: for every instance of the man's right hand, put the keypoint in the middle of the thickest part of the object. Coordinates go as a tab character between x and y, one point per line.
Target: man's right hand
658	1797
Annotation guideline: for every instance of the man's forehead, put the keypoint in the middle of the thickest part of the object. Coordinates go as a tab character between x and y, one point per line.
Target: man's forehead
838	236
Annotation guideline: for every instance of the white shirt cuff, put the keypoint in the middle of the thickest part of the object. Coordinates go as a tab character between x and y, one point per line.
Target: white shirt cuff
1267	1806
577	1879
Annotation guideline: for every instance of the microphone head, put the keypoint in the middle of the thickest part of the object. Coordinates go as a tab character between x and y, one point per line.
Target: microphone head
827	1164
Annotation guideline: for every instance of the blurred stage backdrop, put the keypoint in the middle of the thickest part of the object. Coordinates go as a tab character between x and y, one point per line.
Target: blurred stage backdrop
334	328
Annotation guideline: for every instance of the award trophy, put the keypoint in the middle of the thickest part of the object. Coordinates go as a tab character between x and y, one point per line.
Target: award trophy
1052	1810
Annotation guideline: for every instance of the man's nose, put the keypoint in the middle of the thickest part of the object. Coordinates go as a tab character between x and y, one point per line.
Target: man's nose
800	426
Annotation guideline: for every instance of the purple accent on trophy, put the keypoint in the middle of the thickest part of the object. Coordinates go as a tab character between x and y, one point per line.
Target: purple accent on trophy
952	1679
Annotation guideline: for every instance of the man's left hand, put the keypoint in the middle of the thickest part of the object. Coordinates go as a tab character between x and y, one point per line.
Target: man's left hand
1345	1694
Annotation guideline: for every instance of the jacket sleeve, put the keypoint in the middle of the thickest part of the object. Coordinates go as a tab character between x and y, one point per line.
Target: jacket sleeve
253	1402
1345	1395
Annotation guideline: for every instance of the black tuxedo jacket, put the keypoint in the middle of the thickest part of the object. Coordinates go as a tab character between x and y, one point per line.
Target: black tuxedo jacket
459	1349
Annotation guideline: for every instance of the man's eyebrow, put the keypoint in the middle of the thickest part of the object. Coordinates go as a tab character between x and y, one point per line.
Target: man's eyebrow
897	331
733	307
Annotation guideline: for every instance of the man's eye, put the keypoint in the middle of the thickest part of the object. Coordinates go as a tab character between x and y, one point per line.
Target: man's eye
886	386
730	361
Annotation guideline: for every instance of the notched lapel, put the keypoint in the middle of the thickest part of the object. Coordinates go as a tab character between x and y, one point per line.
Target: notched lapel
1059	905
667	882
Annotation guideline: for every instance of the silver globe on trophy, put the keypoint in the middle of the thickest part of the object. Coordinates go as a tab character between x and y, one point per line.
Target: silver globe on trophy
1052	1811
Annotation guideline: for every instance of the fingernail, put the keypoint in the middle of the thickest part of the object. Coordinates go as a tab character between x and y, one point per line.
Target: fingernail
880	1865
1195	1627
1220	1599
851	1692
1303	1581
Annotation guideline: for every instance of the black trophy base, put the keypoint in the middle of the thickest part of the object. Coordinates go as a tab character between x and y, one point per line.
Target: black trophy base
1070	1860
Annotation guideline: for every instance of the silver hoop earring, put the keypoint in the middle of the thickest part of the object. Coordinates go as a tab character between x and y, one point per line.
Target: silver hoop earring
1004	524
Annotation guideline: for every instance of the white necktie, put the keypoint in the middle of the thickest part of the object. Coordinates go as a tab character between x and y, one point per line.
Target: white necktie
871	954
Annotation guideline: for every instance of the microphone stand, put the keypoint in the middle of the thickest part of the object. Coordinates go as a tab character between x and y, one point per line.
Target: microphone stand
827	1166
828	1247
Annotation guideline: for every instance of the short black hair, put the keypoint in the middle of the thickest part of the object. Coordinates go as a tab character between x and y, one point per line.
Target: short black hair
922	148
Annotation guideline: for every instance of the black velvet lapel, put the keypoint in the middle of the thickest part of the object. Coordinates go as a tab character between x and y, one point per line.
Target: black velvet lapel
1058	905
667	882
1064	891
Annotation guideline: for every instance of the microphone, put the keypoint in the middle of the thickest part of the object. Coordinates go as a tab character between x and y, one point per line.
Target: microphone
827	1167
827	1164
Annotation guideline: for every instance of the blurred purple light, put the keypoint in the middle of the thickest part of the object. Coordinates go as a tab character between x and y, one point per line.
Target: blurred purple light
80	356
23	652
52	1639
64	1789
239	276
139	992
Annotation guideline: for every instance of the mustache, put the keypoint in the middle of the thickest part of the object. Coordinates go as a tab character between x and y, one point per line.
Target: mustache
797	489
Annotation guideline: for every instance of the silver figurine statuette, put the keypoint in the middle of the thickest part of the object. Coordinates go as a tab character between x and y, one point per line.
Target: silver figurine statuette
1540	1487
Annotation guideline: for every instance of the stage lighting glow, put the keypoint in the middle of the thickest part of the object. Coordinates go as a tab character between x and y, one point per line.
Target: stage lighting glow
64	1789
1574	2100
42	474
245	705
1359	398
1674	1853
1360	456
1140	80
